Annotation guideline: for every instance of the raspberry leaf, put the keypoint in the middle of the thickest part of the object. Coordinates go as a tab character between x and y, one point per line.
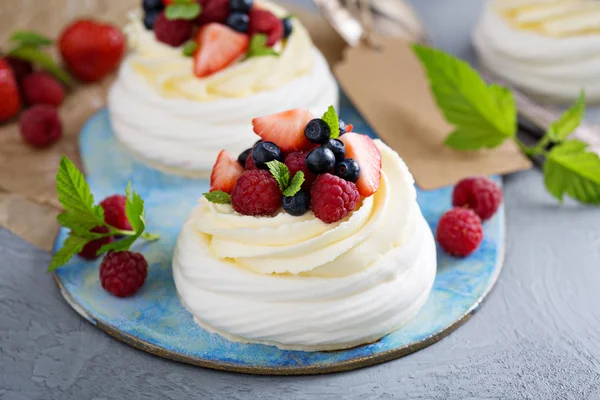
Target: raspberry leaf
218	197
258	47
190	48
78	222
72	245
183	10
28	38
331	119
45	61
280	172
295	184
568	121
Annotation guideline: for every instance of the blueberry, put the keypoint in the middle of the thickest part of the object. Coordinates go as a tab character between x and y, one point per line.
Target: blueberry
257	142
297	204
342	127
238	21
320	160
243	6
244	156
264	152
287	26
317	131
337	147
348	170
153	5
149	19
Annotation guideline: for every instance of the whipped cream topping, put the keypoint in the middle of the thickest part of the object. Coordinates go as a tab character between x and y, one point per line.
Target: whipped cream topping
549	48
298	283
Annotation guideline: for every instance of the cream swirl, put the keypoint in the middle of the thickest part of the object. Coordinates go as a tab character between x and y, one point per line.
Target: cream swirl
296	282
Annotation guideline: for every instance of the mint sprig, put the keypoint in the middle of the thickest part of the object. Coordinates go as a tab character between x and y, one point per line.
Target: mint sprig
81	214
281	173
34	55
485	116
258	47
183	9
29	38
295	184
218	197
331	119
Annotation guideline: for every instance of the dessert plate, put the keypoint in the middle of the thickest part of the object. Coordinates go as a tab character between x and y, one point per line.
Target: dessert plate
155	321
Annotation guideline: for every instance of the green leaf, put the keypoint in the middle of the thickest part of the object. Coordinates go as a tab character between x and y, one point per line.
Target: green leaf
182	10
570	168
331	119
28	38
258	47
484	116
35	56
568	121
72	245
74	193
190	48
218	197
280	172
295	184
78	222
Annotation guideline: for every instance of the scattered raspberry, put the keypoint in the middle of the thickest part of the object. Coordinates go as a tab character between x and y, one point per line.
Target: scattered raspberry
43	88
333	198
480	194
10	102
114	212
459	232
90	249
263	21
256	193
250	162
123	273
173	32
91	50
213	11
40	125
296	161
20	68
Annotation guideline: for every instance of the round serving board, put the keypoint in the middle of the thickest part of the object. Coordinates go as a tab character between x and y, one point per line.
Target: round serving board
155	321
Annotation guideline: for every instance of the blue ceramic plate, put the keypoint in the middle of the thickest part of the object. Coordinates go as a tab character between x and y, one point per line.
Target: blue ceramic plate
155	321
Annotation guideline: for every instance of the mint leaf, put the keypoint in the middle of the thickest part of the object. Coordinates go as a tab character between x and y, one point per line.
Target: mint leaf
258	47
295	184
218	197
190	48
71	246
74	193
484	116
28	38
181	10
570	168
568	121
280	172
331	119
78	222
35	56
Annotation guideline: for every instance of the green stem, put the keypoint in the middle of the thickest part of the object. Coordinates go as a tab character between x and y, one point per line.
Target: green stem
150	237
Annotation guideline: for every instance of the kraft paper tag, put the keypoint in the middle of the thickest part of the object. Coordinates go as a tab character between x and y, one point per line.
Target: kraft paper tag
389	88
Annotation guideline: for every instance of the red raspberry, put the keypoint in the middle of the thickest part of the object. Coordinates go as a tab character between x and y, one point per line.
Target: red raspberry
333	198
123	273
42	88
90	249
213	11
295	162
459	232
250	162
20	68
256	193
114	212
173	32
263	21
40	125
480	194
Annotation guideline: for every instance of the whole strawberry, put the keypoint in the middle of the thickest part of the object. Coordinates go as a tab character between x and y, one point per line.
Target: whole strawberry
123	273
10	100
481	194
90	49
459	232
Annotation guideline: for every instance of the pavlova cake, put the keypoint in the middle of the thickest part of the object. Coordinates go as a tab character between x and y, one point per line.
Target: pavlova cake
312	239
199	70
549	48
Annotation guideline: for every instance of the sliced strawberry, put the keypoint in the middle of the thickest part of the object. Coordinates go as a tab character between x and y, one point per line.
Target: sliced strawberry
349	128
225	173
363	150
218	47
285	129
263	21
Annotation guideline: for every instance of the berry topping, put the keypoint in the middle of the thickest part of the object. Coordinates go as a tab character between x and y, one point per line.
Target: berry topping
459	232
348	170
225	173
285	128
363	150
90	250
320	160
333	198
317	131
152	5
43	88
114	212
213	11
20	68
287	27
264	152
337	147
218	47
244	156
238	21
263	21
91	50
40	125
9	92
480	194
123	273
150	19
242	6
297	204
296	161
173	32
256	193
